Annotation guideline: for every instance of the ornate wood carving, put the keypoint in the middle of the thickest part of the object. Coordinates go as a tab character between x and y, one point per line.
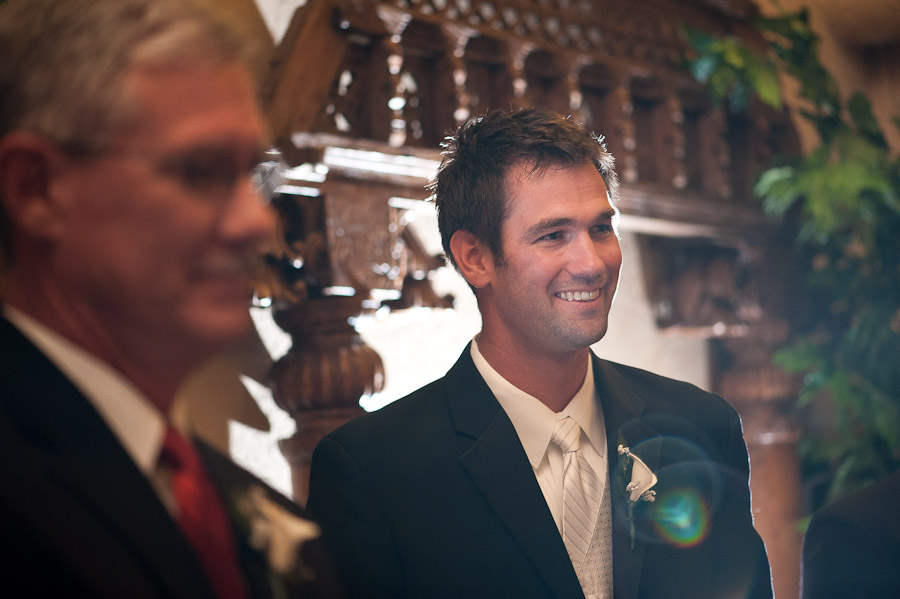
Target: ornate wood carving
341	243
697	285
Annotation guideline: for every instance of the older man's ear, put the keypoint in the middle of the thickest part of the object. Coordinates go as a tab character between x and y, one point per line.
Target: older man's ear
28	163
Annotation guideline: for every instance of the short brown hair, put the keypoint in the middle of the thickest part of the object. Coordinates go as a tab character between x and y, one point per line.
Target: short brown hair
470	187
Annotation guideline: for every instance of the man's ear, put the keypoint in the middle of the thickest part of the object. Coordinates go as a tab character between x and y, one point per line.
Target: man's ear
27	163
475	261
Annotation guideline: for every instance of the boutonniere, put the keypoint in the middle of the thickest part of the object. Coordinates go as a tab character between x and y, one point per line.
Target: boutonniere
640	487
278	534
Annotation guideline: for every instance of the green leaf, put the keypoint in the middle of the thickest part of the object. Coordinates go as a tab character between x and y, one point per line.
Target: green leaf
778	188
703	67
767	86
861	112
844	199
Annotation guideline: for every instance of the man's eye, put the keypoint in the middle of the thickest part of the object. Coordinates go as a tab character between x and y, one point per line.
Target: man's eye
203	174
216	174
603	229
554	236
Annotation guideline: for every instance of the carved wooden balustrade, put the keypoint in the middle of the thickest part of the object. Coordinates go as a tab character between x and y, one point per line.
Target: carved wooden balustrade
362	93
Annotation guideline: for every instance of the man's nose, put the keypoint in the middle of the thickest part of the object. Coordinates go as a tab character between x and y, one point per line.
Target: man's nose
249	218
587	256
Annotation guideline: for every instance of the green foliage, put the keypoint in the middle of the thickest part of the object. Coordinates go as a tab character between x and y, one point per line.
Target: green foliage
845	200
732	71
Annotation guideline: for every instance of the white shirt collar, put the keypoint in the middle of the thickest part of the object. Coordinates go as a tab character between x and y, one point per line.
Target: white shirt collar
534	421
134	420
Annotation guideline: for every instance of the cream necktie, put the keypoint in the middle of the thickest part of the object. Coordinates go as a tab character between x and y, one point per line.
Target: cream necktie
583	493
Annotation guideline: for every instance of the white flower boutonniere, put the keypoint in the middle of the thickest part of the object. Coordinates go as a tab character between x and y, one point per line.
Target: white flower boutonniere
641	486
278	533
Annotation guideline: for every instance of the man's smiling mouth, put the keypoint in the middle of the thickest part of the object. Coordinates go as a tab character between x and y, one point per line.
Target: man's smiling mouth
578	296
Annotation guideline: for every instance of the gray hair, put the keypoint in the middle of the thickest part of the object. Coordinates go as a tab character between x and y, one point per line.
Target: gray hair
64	61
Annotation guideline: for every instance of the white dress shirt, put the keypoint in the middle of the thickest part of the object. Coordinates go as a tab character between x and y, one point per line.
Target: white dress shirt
534	423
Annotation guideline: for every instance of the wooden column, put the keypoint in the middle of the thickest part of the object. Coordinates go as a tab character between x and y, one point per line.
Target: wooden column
321	379
763	394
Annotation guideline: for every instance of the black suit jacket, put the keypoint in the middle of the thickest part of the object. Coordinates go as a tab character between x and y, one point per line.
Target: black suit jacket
852	547
433	496
77	517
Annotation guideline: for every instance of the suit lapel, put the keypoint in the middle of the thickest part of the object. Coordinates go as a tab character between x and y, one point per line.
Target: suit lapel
492	454
622	412
78	452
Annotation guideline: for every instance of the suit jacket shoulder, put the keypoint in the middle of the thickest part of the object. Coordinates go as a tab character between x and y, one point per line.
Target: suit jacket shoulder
80	519
852	546
69	485
433	496
639	402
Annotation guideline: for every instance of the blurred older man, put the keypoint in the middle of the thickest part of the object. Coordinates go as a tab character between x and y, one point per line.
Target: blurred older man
129	135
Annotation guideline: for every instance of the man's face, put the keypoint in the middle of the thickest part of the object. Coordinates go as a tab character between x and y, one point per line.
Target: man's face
159	228
552	291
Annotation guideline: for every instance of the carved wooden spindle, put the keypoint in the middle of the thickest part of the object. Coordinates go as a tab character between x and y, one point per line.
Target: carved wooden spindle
321	379
676	174
626	158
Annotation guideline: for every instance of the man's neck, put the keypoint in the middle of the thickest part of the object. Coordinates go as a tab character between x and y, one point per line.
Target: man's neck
158	381
553	378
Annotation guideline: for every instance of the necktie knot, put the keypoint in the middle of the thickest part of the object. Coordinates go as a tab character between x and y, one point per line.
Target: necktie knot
177	452
567	435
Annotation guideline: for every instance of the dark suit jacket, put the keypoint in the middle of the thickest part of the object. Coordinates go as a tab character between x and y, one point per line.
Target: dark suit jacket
433	496
852	547
77	517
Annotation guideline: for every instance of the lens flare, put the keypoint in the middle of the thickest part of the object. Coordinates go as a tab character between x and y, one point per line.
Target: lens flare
681	517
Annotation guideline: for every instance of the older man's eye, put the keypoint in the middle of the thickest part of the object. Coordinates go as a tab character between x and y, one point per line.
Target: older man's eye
216	174
206	174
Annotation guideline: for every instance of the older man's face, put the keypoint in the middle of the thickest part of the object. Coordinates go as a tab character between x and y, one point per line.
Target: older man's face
159	228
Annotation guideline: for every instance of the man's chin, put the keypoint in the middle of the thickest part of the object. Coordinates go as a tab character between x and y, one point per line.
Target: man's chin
221	326
585	339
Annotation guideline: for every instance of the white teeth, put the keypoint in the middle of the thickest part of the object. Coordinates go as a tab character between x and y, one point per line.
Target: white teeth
578	296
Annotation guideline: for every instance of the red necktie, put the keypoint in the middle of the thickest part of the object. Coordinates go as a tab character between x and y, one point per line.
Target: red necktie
202	517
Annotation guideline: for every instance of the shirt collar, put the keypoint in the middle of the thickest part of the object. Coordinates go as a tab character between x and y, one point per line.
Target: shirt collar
137	424
534	422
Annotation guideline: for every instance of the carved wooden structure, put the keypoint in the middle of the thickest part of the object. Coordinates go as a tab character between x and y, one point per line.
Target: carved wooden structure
368	88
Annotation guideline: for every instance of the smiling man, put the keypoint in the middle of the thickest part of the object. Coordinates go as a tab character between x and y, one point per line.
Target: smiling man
129	136
533	469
